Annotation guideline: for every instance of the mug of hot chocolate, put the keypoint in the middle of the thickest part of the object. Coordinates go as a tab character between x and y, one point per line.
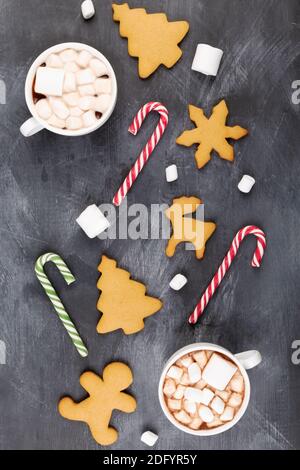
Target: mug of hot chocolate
204	389
70	89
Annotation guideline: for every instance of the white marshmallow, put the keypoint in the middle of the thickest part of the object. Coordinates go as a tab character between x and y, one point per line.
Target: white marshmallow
218	405
236	384
85	90
49	81
235	400
69	82
179	392
92	221
185	361
171	173
246	184
102	103
183	417
175	373
207	59
87	9
190	407
43	109
86	102
103	85
223	394
227	414
206	414
178	282
216	422
218	372
201	384
185	379
73	123
85	76
71	67
89	119
53	60
75	111
174	405
59	108
56	122
149	438
83	58
196	423
201	358
194	373
206	396
98	67
71	99
193	394
68	55
169	388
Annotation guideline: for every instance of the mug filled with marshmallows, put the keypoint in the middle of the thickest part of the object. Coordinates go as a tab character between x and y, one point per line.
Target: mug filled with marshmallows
70	89
204	389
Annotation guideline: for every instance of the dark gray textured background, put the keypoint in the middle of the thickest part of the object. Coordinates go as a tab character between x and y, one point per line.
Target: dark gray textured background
47	180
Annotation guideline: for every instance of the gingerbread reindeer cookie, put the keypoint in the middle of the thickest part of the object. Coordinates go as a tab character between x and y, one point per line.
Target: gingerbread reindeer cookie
187	229
211	134
105	395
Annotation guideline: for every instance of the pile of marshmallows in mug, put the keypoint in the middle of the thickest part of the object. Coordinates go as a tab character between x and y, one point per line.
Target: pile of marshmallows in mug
72	90
203	390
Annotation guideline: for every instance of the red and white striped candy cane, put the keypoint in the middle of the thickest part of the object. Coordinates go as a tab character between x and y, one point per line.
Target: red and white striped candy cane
226	263
149	147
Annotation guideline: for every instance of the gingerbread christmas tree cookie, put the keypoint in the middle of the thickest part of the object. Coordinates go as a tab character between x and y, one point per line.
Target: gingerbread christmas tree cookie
123	302
187	229
151	37
211	134
105	395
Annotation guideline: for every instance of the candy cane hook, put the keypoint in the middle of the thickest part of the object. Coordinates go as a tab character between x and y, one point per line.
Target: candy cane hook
226	263
55	300
147	150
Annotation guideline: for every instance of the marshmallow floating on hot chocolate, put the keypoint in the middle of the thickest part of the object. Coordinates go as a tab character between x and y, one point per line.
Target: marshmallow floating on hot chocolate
49	81
73	84
218	372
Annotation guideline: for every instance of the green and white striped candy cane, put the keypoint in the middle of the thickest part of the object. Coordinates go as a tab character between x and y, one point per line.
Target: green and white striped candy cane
56	302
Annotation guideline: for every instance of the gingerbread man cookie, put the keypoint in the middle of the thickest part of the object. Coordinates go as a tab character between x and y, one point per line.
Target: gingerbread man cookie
123	302
211	134
151	37
187	229
105	395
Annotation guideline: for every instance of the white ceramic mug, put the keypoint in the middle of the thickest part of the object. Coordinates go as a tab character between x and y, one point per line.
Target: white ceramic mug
244	360
35	123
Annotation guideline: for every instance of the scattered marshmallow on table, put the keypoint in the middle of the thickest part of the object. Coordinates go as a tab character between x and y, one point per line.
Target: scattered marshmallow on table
207	59
218	372
92	221
87	9
171	173
49	81
149	438
246	184
178	282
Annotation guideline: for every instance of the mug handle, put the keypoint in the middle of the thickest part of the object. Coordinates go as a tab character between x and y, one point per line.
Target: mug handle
30	127
249	359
